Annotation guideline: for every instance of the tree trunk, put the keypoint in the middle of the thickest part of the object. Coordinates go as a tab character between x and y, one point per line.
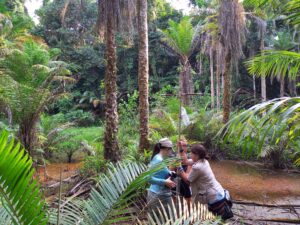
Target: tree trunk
111	147
292	88
226	90
186	82
218	88
263	89
282	89
27	135
253	77
143	75
212	86
263	79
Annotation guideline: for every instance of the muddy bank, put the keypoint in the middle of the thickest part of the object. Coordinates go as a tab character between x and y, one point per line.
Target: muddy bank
53	171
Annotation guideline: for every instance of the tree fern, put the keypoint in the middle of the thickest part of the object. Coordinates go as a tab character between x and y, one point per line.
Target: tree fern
179	36
22	202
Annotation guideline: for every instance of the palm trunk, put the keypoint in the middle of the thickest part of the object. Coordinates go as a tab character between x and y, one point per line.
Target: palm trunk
212	86
263	79
226	93
218	88
143	75
282	85
111	147
292	88
253	77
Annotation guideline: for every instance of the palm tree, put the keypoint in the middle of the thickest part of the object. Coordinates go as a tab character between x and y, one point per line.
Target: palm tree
113	16
182	39
27	76
276	120
143	74
231	25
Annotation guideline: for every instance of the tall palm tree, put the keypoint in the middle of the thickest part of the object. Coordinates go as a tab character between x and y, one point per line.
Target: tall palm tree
113	16
232	25
143	74
182	39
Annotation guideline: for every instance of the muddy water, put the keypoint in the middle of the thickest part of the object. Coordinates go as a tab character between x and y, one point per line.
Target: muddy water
252	182
53	171
247	182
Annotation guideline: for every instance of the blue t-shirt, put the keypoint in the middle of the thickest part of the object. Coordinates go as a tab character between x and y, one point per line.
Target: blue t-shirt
158	179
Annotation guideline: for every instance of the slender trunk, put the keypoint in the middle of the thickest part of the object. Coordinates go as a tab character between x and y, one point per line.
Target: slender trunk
111	147
292	88
9	116
226	93
282	89
143	75
218	88
212	86
253	77
263	79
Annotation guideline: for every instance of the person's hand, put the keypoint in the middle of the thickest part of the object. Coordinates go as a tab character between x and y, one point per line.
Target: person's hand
183	145
169	183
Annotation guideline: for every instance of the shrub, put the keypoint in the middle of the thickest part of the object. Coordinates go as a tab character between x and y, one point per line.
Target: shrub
78	135
80	117
163	123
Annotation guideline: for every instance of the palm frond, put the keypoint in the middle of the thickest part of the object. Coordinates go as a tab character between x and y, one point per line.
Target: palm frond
266	123
180	213
112	197
20	193
293	9
256	3
273	63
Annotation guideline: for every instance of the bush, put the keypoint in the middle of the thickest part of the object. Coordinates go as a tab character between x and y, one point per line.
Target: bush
80	117
77	136
205	127
163	123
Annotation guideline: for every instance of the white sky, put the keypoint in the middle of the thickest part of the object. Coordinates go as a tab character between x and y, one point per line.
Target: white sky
33	5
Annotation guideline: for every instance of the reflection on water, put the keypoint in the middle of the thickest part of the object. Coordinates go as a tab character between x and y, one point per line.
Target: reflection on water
252	182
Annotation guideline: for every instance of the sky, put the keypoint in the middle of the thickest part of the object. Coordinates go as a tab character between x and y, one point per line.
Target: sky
33	5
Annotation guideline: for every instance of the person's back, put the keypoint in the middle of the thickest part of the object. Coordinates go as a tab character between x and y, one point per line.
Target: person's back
205	187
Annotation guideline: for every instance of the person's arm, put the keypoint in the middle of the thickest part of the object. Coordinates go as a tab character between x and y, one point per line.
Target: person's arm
184	176
157	181
154	179
185	160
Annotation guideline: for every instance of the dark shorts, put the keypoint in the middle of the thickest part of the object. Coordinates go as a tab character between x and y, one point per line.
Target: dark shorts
184	190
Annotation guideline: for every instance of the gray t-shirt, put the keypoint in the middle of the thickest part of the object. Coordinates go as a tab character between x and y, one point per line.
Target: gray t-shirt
205	187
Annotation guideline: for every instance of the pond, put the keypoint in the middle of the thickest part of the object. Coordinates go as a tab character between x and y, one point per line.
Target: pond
262	196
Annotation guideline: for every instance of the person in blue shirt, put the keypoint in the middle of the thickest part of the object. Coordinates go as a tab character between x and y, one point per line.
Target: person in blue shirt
161	183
